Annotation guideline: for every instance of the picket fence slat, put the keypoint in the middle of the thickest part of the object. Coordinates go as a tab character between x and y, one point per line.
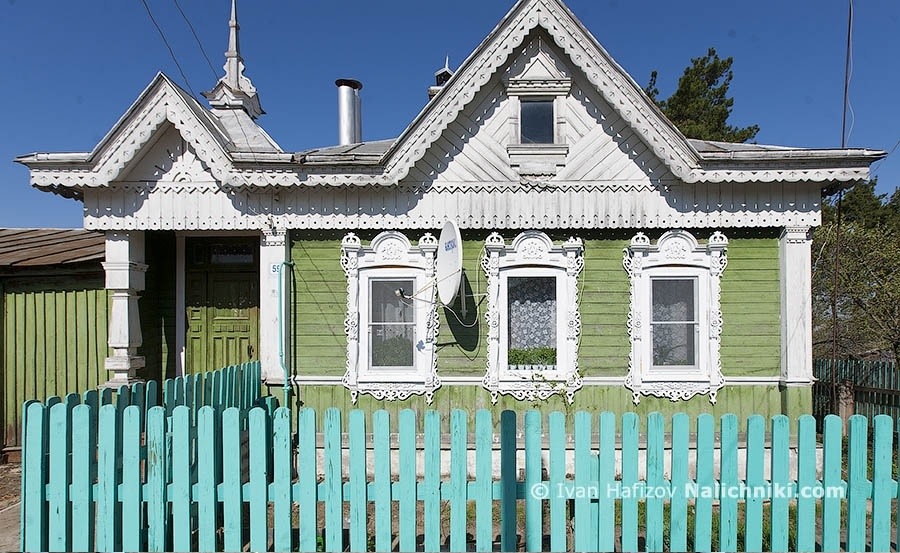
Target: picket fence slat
484	480
458	479
728	477
705	480
232	480
155	490
857	504
432	485
180	495
281	485
806	479
780	479
832	442
131	479
678	527
84	431
259	479
407	480
629	481
228	478
756	433
508	478
207	498
582	431
58	489
656	461
358	518
306	471
382	450
881	483
534	522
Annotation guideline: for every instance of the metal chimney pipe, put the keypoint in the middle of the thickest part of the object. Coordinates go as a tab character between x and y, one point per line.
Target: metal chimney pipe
349	114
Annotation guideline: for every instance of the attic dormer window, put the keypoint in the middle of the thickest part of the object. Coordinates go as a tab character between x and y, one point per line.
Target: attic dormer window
540	105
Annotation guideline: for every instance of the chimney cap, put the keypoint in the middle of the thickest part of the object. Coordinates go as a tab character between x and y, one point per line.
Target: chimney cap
352	83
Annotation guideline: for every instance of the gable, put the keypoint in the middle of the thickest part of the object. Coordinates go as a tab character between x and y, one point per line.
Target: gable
602	147
169	159
580	51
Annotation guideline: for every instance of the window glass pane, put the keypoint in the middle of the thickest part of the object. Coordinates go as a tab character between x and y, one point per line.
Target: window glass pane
392	345
231	254
673	299
674	344
387	305
532	320
391	323
537	121
674	324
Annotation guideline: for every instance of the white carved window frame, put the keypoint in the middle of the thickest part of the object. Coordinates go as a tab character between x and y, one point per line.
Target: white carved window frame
677	254
390	255
533	254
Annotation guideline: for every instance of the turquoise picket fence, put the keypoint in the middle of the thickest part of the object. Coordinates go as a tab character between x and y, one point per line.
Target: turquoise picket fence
518	482
236	386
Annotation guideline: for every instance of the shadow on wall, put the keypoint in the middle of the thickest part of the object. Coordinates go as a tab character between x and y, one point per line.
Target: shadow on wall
463	318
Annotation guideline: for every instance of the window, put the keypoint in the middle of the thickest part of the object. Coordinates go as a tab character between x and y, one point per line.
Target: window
531	322
392	320
675	289
536	121
673	322
533	318
540	126
392	324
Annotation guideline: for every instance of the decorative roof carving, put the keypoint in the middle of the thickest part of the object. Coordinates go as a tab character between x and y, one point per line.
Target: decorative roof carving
215	144
235	90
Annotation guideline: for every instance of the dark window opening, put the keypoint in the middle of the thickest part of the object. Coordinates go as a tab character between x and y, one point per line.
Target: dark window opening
537	121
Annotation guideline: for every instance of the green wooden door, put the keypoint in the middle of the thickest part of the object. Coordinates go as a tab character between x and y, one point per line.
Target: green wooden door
222	301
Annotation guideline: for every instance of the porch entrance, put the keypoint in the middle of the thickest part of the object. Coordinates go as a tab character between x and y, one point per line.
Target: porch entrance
221	302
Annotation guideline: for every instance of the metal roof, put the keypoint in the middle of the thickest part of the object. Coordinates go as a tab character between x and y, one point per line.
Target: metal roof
31	247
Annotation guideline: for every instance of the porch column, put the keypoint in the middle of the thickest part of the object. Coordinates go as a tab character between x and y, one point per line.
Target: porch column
125	271
273	307
796	306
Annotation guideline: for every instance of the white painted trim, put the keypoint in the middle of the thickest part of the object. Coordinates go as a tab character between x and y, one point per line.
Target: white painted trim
390	255
311	380
180	305
676	254
633	204
533	253
796	305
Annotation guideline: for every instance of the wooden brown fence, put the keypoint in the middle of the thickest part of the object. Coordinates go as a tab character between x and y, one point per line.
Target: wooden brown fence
849	386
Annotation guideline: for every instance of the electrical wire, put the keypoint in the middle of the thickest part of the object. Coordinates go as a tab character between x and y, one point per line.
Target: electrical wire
169	46
197	38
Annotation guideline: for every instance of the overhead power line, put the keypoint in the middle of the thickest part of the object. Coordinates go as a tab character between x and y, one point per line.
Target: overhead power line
171	51
197	38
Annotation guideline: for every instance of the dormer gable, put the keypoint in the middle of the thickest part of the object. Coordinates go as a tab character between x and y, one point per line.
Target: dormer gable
552	21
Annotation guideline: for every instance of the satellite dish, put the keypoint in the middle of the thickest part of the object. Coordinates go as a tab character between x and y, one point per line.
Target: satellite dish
449	263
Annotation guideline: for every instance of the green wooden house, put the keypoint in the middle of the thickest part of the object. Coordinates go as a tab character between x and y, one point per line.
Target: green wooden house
608	261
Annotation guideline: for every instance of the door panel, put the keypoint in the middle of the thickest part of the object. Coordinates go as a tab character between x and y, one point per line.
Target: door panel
222	303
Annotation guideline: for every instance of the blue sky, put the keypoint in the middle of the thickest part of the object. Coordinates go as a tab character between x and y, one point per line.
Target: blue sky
73	68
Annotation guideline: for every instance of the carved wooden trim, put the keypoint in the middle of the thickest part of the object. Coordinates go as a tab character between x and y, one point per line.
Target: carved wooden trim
391	251
533	253
675	253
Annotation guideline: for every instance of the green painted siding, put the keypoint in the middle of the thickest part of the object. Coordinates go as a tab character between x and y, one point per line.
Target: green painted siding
54	332
740	400
750	307
320	304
